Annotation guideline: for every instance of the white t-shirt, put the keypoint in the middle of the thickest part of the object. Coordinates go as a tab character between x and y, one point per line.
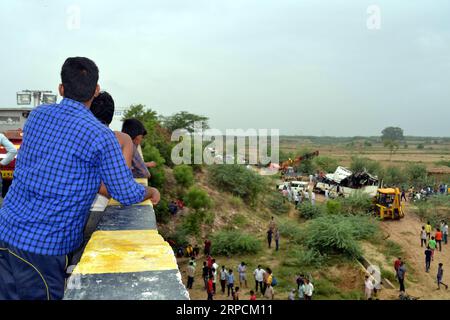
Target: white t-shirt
308	289
259	274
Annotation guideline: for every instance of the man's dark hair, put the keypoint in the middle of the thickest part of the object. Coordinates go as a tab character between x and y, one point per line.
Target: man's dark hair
103	107
79	77
133	127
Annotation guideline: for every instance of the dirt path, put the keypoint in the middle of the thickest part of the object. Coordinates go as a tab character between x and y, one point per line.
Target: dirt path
406	233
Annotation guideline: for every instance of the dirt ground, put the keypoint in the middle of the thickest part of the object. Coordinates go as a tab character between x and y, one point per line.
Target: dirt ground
423	285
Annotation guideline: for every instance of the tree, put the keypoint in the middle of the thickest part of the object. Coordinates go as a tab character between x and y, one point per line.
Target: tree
157	136
391	136
183	120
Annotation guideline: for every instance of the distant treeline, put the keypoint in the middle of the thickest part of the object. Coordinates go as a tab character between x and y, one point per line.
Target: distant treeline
335	140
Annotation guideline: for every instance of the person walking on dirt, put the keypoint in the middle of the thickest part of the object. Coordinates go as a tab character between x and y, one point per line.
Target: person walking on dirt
223	279
428	254
230	280
440	274
259	277
438	237
397	264
242	268
267	279
423	237
196	250
207	249
236	294
277	239
210	288
190	273
403	195
269	237
428	229
308	289
205	274
272	224
313	198
401	273
368	284
432	244
445	232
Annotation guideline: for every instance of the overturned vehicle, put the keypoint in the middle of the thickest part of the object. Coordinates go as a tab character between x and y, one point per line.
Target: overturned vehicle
343	182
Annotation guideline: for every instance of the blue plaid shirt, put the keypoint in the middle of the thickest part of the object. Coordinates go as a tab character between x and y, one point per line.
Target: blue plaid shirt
65	154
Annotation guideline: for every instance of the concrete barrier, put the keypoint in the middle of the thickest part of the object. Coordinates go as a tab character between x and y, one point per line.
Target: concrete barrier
126	259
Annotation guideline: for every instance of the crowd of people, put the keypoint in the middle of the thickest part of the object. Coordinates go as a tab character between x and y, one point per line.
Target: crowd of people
233	280
299	196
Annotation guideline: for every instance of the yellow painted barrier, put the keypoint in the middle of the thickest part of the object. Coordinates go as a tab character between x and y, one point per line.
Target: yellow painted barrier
126	251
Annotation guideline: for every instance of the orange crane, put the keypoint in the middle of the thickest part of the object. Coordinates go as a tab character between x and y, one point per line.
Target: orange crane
290	163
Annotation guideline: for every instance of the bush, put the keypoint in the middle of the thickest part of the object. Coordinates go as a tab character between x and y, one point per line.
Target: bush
308	211
162	211
192	223
158	175
277	203
238	180
326	164
291	231
234	242
239	220
416	174
360	164
339	234
334	207
420	146
180	237
197	199
357	202
304	259
394	176
184	175
443	163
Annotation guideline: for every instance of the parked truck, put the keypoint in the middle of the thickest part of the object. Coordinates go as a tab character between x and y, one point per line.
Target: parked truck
12	121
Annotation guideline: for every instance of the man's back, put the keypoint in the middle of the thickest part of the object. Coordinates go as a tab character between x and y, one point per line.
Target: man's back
64	150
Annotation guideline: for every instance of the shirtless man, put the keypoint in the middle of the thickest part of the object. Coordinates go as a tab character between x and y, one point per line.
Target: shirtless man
103	109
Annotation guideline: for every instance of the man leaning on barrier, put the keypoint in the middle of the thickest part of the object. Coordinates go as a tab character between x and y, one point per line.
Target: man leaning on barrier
65	154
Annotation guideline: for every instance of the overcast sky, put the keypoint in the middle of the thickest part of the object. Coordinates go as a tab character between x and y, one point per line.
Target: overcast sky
304	67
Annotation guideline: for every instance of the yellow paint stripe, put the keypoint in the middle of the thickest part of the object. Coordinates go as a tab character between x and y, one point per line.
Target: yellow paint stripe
143	181
126	251
113	202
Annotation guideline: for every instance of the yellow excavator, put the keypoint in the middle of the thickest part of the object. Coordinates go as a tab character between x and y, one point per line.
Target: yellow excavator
388	204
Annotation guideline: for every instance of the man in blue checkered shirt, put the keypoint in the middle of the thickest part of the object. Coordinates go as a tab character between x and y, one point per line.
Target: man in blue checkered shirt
65	156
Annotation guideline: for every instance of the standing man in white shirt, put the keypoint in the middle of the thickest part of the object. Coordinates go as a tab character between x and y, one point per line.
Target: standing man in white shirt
11	152
308	289
259	278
